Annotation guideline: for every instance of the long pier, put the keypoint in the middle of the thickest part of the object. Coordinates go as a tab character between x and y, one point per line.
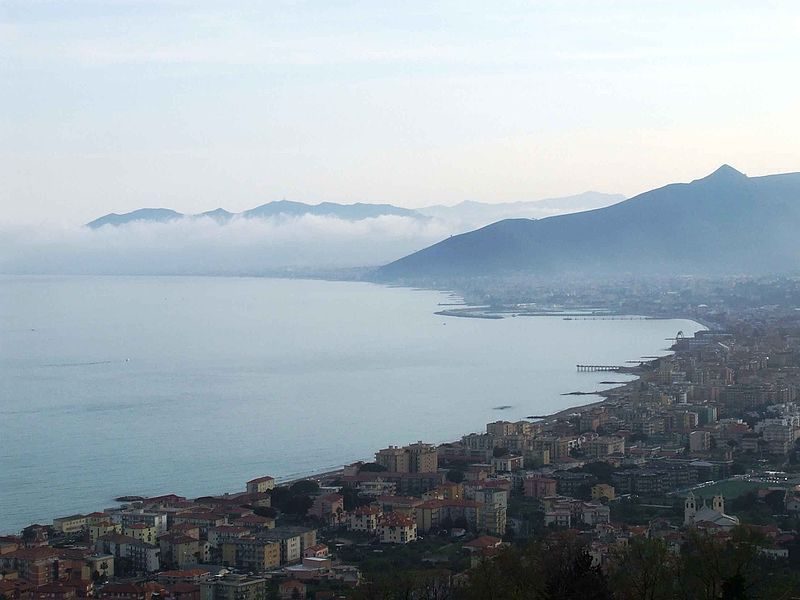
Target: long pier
594	368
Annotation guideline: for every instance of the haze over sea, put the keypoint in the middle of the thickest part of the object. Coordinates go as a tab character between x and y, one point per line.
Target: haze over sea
192	385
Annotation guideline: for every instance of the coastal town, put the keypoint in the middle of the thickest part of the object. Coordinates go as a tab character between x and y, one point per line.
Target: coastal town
703	443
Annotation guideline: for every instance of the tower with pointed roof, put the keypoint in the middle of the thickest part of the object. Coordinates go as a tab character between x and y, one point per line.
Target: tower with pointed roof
689	509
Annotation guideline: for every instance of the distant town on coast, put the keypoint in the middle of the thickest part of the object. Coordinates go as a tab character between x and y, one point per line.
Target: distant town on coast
698	454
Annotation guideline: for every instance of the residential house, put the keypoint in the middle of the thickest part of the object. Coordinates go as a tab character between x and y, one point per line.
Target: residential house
395	528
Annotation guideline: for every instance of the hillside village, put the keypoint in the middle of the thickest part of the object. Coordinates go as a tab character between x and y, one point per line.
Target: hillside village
704	442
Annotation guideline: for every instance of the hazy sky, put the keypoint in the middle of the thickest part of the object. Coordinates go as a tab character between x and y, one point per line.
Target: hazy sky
111	105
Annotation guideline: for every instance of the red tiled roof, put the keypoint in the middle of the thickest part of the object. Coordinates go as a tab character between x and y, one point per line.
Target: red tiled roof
230	529
260	479
199	515
40	553
253	520
484	541
177	538
369	509
441	503
185	573
396	520
74	553
400	500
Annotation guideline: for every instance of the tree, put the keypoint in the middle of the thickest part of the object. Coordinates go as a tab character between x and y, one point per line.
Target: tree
498	451
455	475
715	569
352	499
643	571
601	470
774	500
305	486
298	505
265	511
737	468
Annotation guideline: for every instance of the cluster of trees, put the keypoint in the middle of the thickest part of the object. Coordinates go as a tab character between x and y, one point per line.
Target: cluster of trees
646	569
295	499
561	567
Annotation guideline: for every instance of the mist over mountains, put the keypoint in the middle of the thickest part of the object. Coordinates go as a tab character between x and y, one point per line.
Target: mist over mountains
277	238
280	208
725	223
466	215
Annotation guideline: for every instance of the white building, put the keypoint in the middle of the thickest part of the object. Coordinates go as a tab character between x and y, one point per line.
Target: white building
704	515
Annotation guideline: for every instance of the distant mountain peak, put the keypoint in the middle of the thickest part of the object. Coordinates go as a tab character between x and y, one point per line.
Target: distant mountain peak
710	226
156	215
724	173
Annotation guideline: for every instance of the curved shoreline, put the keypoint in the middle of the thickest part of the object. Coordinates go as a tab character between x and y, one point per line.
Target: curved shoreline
327	471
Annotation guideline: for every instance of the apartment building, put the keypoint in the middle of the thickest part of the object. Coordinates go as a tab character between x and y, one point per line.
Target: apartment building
70	524
260	485
252	554
394	528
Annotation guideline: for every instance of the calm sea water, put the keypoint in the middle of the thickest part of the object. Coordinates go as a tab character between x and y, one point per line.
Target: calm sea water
147	385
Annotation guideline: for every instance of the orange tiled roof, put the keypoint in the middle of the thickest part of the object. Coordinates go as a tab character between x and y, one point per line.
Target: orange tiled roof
40	553
484	541
185	573
397	520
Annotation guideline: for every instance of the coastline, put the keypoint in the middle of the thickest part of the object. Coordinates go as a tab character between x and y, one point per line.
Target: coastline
606	395
327	473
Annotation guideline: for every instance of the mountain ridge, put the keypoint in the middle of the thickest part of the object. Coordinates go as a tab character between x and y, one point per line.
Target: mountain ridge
351	212
469	213
708	226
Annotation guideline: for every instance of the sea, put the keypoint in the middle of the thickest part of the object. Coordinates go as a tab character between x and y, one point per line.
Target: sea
115	386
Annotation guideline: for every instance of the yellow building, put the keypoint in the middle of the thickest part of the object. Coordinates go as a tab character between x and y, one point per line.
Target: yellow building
394	459
71	524
603	446
259	485
252	554
102	528
602	490
424	458
141	532
414	458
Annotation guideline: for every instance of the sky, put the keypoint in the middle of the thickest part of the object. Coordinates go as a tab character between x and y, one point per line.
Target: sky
111	105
